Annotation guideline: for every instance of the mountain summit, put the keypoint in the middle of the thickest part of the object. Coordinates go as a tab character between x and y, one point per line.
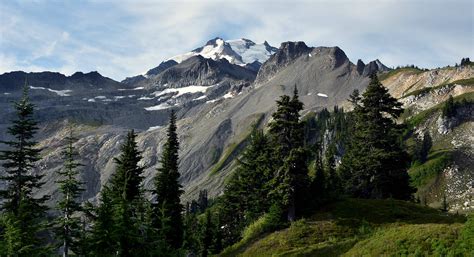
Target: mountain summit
239	51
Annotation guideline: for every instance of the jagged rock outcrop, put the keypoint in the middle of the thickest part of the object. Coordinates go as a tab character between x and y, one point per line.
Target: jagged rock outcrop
162	67
198	70
286	54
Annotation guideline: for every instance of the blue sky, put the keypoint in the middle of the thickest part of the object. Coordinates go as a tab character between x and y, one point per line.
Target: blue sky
124	38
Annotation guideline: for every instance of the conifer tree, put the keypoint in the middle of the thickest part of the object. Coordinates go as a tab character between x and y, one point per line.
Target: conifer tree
168	190
449	108
26	214
103	240
375	165
287	133
118	220
68	224
126	192
206	235
246	193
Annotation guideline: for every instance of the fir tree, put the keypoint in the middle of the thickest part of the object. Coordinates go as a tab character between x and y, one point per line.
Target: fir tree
291	183
287	134
118	221
126	193
68	224
103	240
449	108
286	131
206	235
375	165
245	194
167	189
26	213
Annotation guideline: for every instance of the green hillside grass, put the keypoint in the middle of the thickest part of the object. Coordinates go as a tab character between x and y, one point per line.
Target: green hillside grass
358	227
408	70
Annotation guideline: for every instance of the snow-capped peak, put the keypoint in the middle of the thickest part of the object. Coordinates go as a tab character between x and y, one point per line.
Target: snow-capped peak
239	51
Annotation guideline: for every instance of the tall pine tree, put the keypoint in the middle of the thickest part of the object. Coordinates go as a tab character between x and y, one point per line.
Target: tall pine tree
289	156
168	190
102	240
245	195
375	165
126	192
27	214
68	224
119	219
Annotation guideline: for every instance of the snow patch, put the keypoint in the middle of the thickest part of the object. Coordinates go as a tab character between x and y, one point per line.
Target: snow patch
212	101
92	100
322	95
6	93
158	107
200	98
100	97
145	98
127	89
181	91
153	128
228	95
58	92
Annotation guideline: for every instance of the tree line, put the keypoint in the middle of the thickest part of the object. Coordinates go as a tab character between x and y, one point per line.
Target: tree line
124	223
303	163
299	164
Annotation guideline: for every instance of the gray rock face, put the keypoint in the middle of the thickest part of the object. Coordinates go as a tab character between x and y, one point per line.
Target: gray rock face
374	66
162	67
464	114
287	53
198	70
133	80
360	66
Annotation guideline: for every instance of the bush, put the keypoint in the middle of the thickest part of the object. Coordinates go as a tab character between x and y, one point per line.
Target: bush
267	223
465	244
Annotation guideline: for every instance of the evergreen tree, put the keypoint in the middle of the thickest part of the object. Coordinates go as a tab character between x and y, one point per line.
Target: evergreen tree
202	200
119	219
126	193
191	233
206	236
422	148
286	130
287	133
26	214
245	195
68	224
103	240
168	190
449	108
375	165
291	183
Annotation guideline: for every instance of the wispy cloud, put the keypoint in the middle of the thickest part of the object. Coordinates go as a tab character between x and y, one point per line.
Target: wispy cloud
125	38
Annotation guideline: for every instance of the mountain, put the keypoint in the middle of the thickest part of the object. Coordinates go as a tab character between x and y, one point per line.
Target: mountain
217	100
241	51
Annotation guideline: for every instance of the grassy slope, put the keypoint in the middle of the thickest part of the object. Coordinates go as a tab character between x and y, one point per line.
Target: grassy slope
356	227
